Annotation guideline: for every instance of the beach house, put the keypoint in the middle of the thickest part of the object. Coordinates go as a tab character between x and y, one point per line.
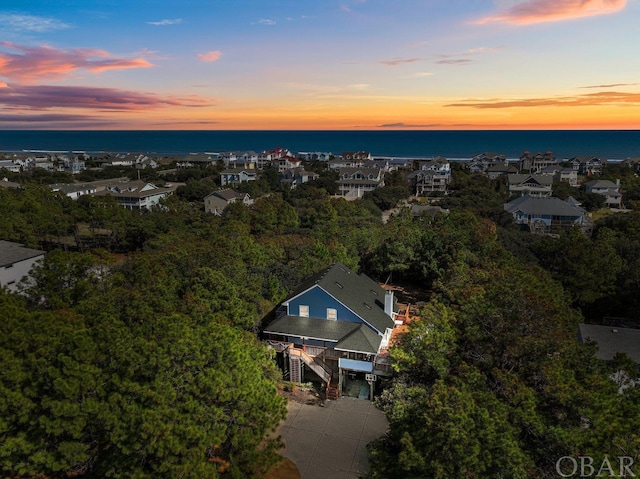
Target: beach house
335	327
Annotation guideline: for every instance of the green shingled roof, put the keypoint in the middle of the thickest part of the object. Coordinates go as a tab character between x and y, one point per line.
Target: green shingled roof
360	340
348	336
358	292
312	328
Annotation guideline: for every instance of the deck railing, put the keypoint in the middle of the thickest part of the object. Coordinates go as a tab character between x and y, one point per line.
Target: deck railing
318	367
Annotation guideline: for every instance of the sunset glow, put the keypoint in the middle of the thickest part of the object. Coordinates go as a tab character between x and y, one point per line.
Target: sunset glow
349	64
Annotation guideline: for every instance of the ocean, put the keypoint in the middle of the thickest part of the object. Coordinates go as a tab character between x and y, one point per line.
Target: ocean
610	144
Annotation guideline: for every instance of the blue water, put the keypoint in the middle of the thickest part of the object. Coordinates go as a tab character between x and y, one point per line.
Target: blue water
613	145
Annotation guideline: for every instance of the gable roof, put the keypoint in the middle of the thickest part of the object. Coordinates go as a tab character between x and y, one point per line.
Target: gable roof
361	340
227	194
601	184
359	293
543	206
572	201
519	179
250	172
502	167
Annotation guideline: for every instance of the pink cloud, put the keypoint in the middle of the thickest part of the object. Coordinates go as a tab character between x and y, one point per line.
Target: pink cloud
540	11
211	56
42	97
27	64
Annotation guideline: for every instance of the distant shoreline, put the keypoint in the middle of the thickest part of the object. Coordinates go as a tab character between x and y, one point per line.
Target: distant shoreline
614	145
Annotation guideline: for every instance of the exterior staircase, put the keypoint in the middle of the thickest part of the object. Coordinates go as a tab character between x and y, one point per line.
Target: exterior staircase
316	365
295	370
333	392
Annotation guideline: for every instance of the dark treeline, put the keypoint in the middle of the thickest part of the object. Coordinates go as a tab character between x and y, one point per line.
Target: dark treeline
139	358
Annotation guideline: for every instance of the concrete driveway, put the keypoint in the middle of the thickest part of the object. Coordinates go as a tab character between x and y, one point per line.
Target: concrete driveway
330	440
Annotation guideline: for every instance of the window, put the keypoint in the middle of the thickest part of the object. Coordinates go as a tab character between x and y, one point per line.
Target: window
332	314
303	311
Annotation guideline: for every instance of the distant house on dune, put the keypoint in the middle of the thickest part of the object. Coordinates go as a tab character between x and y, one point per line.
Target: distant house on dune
587	165
217	201
535	163
235	176
355	182
136	195
481	162
608	189
531	185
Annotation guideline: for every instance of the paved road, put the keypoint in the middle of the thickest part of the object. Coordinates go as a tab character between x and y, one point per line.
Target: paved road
330	441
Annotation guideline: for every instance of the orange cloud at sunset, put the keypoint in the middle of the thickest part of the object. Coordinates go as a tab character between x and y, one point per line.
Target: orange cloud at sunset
29	64
592	99
211	56
539	11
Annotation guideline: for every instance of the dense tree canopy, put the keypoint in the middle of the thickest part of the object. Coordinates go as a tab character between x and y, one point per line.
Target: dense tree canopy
133	352
166	396
492	383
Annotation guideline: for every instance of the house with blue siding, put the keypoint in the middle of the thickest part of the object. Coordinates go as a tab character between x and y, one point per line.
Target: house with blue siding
336	326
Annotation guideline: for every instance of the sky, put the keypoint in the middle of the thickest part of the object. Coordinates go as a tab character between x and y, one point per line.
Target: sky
319	64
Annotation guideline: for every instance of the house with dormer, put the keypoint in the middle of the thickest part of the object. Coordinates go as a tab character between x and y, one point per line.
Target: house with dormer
587	165
481	162
432	176
561	174
535	163
535	186
336	326
297	176
355	182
